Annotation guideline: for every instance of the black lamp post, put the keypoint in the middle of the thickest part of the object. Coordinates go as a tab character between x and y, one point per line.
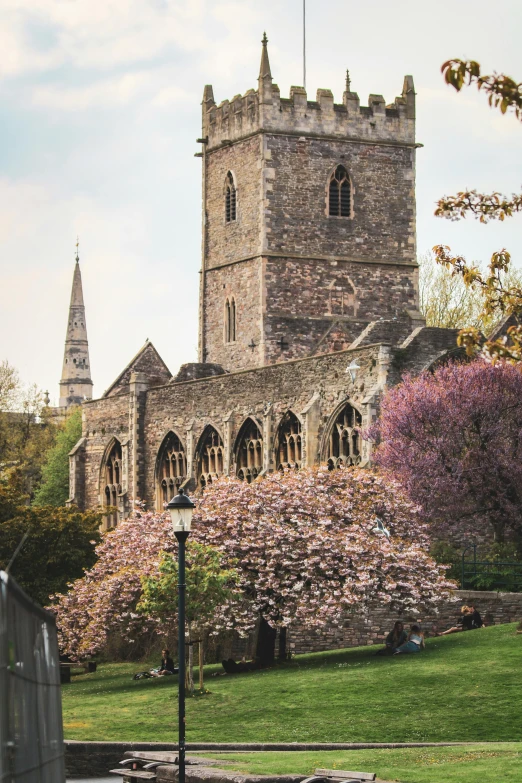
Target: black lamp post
181	508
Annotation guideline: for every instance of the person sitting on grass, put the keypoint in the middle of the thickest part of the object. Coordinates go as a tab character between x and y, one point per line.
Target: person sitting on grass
414	643
166	666
471	619
395	638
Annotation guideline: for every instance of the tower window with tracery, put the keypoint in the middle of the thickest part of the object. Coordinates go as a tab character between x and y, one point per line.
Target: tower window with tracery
340	194
249	451
112	478
345	441
230	320
289	442
210	457
172	468
230	199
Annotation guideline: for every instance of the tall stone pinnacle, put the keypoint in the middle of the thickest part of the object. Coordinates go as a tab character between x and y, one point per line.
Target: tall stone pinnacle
264	70
76	383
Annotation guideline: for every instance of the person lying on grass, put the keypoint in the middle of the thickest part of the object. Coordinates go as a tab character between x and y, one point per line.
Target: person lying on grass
471	620
395	638
414	644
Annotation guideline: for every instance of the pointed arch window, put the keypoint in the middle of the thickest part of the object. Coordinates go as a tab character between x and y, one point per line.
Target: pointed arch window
289	442
210	457
340	193
230	199
230	320
249	451
171	469
345	441
112	478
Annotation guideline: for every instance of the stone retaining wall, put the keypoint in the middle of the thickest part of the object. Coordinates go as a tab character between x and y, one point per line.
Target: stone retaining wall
371	627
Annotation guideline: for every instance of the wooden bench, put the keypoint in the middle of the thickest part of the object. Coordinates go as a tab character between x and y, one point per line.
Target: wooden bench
65	669
338	775
134	774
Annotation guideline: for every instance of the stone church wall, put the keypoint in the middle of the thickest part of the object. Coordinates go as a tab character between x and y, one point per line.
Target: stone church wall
243	282
265	393
383	178
226	242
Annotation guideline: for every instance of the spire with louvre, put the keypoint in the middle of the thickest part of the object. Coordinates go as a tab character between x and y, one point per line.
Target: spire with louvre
76	383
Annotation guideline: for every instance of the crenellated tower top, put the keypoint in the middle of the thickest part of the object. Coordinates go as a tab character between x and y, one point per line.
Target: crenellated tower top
265	109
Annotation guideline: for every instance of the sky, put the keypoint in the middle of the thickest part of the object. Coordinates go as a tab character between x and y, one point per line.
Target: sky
99	115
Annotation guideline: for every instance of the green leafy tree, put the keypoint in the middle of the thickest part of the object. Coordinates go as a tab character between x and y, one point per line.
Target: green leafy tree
27	431
54	489
501	292
59	543
209	584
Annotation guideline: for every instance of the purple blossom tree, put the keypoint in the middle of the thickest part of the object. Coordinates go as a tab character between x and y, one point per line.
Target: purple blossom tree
453	439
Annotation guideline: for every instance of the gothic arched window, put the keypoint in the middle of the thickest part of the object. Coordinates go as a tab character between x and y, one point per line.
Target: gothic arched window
230	199
289	442
249	451
345	441
111	482
171	469
210	457
230	320
340	194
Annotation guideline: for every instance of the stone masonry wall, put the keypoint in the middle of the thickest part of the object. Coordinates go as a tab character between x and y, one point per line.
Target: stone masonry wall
296	214
241	238
243	282
313	389
373	626
307	296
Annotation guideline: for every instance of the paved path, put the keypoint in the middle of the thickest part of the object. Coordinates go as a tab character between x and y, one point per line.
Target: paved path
112	779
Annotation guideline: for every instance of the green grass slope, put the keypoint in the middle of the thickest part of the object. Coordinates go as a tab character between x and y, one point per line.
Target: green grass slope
469	764
462	687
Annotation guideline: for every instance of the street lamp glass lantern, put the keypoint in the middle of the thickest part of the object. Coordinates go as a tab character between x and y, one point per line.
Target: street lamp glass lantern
352	369
181	509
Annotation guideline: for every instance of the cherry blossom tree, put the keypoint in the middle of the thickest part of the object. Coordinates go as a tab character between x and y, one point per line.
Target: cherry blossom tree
453	439
306	546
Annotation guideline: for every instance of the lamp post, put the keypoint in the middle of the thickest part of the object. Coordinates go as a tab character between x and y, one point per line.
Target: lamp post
181	509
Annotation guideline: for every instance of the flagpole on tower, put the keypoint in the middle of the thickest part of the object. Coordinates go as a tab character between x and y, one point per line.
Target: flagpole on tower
304	44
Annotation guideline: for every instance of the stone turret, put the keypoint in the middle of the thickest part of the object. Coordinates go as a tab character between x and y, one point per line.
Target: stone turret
76	384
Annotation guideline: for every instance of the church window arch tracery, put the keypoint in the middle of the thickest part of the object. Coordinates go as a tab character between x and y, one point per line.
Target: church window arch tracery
344	445
289	442
111	484
210	457
340	193
249	451
171	471
230	199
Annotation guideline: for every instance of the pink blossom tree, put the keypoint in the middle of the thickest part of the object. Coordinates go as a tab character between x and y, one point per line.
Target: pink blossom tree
453	439
306	546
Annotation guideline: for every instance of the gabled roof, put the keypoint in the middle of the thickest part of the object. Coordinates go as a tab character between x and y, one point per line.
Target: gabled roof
149	362
500	329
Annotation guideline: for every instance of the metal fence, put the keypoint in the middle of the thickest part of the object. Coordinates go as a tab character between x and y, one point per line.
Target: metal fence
31	735
489	575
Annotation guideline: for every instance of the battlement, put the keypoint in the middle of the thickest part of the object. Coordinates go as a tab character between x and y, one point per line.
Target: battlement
265	109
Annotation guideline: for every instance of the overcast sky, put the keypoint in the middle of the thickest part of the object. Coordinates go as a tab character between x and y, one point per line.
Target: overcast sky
99	113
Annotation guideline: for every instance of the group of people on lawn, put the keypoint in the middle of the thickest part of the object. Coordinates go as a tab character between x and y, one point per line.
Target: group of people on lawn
398	642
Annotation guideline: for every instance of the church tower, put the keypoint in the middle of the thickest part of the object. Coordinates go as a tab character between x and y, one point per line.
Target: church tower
308	221
76	383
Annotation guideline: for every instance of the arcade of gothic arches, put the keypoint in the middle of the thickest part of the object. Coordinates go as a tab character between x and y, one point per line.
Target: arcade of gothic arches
343	447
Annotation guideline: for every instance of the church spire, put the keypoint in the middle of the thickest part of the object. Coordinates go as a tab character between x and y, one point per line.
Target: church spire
76	383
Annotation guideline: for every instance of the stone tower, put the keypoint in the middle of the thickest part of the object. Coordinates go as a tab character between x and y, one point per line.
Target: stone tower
308	221
76	383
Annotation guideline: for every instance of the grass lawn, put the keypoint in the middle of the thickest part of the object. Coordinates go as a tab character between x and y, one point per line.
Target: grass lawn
462	687
469	764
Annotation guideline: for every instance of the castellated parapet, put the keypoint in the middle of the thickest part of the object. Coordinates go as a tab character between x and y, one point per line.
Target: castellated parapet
265	110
